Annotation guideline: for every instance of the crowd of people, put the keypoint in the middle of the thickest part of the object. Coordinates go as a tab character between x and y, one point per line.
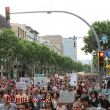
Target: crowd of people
88	95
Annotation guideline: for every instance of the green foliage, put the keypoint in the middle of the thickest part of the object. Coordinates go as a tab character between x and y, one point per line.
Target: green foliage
30	54
8	43
87	68
101	27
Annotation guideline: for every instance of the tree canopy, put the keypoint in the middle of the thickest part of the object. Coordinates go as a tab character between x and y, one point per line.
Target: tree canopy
101	28
28	55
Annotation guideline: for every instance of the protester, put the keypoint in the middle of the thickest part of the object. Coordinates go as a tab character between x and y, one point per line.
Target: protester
7	104
55	100
86	94
1	96
85	102
24	106
61	106
76	106
37	98
21	97
104	103
94	101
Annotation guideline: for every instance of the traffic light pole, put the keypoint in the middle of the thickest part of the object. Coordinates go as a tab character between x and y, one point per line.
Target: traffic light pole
73	14
101	73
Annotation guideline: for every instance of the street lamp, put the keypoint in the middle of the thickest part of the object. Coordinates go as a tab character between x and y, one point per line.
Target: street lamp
70	13
73	14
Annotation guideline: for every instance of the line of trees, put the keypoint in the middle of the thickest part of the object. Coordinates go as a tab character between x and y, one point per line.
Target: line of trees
30	57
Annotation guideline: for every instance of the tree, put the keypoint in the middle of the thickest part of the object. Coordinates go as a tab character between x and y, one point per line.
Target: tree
8	42
101	27
87	68
78	66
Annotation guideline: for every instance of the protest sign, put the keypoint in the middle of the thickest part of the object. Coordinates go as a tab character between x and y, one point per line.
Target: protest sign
66	96
73	79
21	85
40	80
25	80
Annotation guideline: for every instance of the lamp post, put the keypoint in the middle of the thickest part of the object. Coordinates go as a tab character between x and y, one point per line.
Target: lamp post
73	14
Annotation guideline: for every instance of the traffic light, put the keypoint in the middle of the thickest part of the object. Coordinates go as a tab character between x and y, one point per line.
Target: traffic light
7	13
101	57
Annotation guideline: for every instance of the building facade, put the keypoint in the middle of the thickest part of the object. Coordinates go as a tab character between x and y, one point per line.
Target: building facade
70	48
19	30
56	41
25	32
49	44
32	35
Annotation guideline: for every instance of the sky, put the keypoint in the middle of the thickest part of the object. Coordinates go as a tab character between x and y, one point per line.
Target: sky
59	23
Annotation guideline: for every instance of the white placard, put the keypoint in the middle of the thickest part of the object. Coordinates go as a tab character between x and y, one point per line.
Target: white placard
25	80
40	80
73	79
66	96
21	85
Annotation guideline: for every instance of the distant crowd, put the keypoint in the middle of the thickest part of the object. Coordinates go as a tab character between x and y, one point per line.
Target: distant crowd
87	94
